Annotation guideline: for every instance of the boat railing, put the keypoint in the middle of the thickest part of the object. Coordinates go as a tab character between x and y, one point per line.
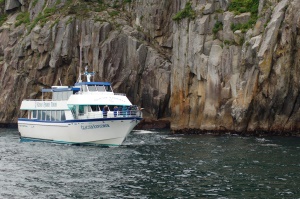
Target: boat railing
110	114
37	100
123	94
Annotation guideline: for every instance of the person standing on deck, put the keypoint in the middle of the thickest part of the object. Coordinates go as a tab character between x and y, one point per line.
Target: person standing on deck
105	110
115	111
124	111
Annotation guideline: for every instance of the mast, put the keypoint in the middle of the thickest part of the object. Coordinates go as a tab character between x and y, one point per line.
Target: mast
80	55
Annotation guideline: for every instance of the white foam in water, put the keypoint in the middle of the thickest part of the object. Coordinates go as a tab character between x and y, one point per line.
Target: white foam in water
143	132
275	145
262	140
173	138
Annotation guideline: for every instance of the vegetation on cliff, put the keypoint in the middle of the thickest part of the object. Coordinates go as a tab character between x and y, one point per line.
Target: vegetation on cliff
81	9
187	12
3	16
2	19
243	6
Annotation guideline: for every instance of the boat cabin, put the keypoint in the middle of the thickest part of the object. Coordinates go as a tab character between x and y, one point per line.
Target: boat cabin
85	100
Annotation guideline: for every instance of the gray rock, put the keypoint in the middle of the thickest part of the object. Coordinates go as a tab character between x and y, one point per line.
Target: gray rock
227	32
11	4
269	41
209	8
242	18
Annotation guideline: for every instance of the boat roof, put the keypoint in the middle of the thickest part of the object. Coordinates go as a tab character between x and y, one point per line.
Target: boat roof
75	88
45	90
93	83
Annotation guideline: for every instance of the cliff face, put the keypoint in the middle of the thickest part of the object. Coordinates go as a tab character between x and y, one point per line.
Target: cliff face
251	85
197	70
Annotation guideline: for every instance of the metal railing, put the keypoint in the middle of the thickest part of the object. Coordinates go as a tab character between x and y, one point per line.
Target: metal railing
123	94
37	100
110	114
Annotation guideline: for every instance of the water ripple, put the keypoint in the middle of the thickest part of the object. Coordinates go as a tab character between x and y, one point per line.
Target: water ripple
152	164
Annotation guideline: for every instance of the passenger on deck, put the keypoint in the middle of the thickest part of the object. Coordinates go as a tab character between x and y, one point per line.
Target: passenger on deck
124	111
120	111
105	110
115	111
128	111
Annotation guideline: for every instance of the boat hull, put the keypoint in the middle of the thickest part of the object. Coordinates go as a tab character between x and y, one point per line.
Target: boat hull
102	131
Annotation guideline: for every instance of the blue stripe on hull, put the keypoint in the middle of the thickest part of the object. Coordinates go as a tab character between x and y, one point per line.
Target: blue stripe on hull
82	120
26	139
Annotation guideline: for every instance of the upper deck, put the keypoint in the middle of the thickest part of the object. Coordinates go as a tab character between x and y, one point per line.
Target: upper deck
83	93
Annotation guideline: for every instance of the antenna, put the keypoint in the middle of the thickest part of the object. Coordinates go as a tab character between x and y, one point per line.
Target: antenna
87	74
80	55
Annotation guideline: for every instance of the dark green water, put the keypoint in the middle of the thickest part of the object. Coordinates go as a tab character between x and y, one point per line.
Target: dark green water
152	164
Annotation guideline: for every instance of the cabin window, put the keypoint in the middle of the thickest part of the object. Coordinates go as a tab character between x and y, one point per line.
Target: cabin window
73	110
43	115
48	115
84	89
92	88
107	88
95	108
100	88
53	115
34	114
66	95
58	115
81	109
63	116
55	96
39	115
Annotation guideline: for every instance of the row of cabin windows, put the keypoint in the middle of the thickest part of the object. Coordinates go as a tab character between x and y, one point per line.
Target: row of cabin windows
59	96
91	108
97	88
48	115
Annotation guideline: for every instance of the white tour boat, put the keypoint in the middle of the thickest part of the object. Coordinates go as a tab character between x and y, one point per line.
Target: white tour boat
87	113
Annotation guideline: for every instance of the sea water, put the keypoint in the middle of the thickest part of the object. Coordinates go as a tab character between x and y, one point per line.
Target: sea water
152	164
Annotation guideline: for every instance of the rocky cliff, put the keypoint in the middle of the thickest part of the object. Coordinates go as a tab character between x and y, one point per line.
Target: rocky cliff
202	64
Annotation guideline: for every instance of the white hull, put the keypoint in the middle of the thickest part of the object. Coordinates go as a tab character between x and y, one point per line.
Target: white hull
98	131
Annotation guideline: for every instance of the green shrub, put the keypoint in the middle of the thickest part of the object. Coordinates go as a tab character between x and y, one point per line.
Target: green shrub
113	13
34	3
2	19
35	21
116	5
187	12
80	10
23	17
227	42
99	8
70	20
242	6
218	26
55	22
49	11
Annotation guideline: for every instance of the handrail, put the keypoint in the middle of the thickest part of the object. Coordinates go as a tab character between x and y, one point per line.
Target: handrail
123	94
110	114
40	100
